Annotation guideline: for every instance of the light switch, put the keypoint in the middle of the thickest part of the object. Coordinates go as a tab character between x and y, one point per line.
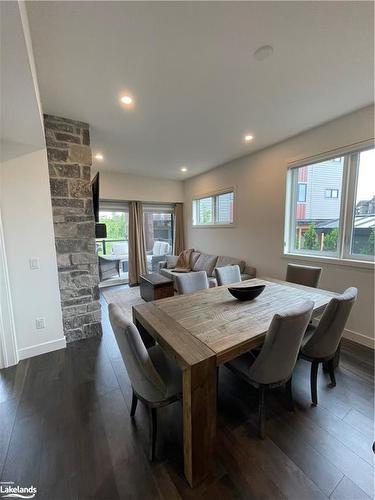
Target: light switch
40	323
34	264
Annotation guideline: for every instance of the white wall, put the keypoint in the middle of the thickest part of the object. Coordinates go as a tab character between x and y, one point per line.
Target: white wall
259	233
8	345
114	186
28	233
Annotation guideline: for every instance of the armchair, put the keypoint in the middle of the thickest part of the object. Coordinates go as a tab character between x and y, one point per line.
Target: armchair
159	250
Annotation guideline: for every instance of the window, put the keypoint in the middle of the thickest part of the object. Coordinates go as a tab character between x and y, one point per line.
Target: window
332	193
302	190
116	222
362	223
322	221
224	208
206	210
214	210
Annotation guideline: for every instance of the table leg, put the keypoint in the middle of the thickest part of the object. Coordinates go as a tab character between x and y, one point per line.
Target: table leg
199	406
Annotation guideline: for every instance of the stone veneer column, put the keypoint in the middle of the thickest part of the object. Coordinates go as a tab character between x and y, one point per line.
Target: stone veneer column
69	162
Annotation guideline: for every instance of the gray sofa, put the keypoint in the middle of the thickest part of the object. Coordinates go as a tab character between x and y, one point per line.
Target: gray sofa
205	262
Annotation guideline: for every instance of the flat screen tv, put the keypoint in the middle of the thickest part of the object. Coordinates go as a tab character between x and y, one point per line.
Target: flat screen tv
100	228
95	196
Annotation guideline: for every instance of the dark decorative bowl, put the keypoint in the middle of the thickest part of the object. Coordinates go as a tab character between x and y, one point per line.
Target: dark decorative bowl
246	293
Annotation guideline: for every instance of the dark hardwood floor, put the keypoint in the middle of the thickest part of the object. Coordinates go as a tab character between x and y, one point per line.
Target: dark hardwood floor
65	428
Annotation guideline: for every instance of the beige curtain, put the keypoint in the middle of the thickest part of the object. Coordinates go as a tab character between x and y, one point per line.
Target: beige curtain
178	229
137	247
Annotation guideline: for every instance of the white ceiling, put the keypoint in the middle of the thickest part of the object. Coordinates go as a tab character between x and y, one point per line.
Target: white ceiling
190	67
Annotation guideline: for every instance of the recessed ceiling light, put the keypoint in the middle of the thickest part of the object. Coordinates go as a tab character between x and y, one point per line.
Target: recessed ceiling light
248	138
127	100
99	156
263	52
183	169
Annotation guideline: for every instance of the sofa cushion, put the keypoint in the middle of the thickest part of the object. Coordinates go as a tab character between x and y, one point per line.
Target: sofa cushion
223	261
171	261
206	263
193	258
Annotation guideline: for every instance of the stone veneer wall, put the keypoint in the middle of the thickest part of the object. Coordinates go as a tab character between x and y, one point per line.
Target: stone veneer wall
69	162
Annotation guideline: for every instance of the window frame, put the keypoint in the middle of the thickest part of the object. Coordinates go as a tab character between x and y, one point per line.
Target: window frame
214	195
343	253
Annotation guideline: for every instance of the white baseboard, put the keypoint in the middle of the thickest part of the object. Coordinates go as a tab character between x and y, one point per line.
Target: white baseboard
54	345
35	350
359	338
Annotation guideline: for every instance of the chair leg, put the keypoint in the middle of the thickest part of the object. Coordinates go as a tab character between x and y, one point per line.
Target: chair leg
217	385
313	382
331	370
261	424
335	361
134	404
289	394
153	432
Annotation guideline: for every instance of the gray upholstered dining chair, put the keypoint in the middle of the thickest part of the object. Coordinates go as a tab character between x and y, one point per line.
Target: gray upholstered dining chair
155	378
227	274
303	275
322	341
274	364
191	282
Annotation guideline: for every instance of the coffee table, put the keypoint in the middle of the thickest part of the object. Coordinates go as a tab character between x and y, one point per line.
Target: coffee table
154	286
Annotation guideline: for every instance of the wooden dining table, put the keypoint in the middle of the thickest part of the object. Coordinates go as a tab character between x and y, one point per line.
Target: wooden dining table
205	329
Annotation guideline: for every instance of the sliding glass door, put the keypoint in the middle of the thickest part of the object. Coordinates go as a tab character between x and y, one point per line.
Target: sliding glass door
158	229
113	250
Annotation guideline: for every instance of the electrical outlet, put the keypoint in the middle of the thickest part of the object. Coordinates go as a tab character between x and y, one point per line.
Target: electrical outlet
40	323
34	264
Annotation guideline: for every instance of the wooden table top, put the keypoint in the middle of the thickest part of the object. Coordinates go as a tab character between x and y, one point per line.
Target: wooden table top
213	322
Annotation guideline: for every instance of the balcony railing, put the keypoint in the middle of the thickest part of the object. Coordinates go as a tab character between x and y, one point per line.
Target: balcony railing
105	246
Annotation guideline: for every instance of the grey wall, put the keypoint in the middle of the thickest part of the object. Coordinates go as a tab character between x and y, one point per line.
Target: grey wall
69	163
